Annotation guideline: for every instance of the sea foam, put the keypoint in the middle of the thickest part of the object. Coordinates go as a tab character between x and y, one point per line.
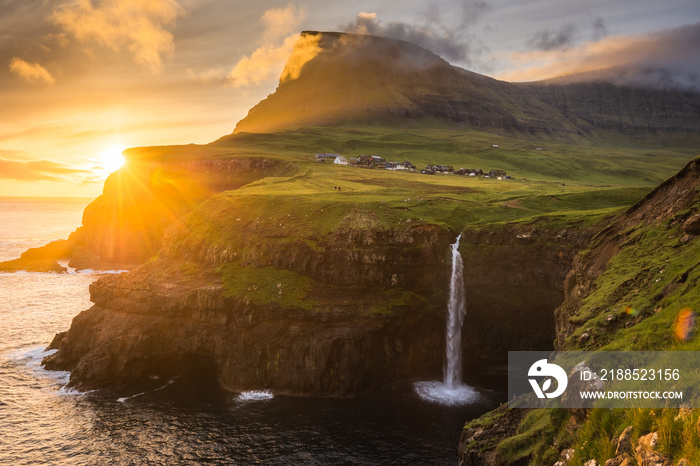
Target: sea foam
255	395
437	392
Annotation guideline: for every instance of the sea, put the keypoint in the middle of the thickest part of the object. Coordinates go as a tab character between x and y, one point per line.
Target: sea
43	421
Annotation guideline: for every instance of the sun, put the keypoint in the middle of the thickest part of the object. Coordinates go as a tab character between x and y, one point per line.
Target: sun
112	158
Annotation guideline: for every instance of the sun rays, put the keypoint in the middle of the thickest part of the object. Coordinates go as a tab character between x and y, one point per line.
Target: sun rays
111	158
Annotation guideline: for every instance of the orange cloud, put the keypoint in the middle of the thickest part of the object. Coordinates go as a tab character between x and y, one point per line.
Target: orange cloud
664	49
133	25
30	71
605	53
305	49
37	170
279	41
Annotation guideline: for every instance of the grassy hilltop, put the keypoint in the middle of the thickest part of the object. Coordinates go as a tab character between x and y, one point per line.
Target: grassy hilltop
561	180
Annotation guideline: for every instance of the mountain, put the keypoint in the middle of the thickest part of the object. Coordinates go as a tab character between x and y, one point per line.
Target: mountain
336	78
360	78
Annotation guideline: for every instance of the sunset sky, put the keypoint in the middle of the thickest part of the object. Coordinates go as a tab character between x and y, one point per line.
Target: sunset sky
81	80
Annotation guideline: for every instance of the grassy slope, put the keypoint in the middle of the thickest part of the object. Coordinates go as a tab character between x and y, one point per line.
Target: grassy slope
645	287
566	184
635	306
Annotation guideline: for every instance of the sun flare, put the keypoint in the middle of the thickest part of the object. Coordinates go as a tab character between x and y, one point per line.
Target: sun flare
112	158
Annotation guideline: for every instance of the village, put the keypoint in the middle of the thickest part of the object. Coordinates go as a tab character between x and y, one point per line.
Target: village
374	161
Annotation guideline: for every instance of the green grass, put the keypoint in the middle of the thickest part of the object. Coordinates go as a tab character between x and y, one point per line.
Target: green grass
676	430
604	162
634	306
266	285
644	287
535	437
580	181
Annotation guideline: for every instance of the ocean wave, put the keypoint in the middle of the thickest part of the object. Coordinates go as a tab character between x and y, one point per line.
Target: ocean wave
31	357
127	398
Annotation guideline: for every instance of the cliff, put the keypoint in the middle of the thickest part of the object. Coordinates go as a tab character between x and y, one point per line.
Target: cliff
124	226
625	109
253	328
671	210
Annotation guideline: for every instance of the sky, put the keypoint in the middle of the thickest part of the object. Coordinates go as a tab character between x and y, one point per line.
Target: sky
81	80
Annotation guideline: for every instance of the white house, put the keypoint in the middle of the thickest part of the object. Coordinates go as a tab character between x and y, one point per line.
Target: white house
340	160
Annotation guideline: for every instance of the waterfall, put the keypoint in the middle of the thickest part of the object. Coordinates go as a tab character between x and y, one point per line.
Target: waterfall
451	391
456	309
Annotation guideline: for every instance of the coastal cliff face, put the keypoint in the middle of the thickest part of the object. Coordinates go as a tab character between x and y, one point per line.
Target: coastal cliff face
124	226
296	324
514	278
311	299
184	325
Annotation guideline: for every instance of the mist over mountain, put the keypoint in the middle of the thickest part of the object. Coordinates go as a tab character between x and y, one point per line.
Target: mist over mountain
337	78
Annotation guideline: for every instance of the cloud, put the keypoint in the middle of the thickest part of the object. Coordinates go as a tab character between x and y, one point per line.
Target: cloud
279	38
566	36
38	170
13	155
33	72
446	33
280	22
137	26
552	40
672	55
600	29
305	49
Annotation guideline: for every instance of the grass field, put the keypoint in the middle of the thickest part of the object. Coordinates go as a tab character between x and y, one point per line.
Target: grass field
563	182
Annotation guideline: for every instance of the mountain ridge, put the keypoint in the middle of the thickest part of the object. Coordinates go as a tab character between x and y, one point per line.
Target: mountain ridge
338	78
